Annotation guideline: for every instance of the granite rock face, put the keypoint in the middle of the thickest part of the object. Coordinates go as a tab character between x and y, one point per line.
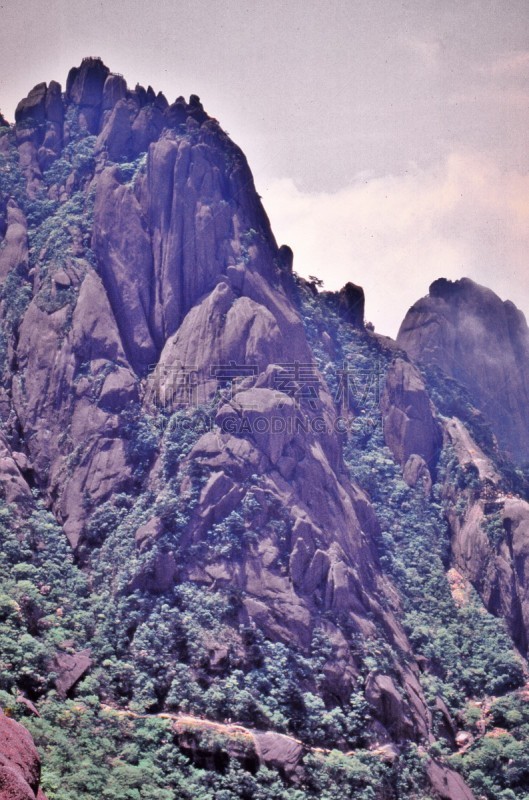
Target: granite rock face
470	334
159	276
351	303
70	668
489	536
411	429
19	763
177	268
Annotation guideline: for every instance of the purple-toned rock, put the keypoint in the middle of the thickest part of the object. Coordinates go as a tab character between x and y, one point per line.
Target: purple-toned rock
280	752
470	334
19	762
84	85
416	473
409	422
14	252
351	303
447	784
33	107
13	486
69	669
388	706
114	90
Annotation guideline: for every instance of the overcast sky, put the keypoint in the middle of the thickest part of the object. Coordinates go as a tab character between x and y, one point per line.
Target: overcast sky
387	139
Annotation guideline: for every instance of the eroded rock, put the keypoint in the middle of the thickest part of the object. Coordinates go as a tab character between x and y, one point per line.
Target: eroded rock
19	762
410	425
471	335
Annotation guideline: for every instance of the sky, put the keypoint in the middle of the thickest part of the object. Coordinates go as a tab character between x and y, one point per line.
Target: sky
388	140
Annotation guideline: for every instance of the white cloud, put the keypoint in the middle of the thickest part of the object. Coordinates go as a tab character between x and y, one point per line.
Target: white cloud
394	235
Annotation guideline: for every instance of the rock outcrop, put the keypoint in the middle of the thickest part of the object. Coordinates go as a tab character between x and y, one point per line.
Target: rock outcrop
470	334
19	763
411	430
489	535
351	303
176	269
69	669
447	784
142	287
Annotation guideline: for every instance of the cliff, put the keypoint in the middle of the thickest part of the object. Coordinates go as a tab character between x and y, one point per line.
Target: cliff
222	494
466	331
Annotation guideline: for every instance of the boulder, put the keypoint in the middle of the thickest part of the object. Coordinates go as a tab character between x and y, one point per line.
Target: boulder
13	486
69	669
280	752
416	473
147	533
120	387
157	575
270	418
351	302
447	784
19	762
389	707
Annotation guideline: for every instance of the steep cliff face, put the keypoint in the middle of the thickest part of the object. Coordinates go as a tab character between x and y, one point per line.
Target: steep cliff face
471	335
138	249
223	448
489	526
411	429
143	245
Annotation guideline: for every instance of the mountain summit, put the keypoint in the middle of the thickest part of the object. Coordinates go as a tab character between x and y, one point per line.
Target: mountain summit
465	330
224	498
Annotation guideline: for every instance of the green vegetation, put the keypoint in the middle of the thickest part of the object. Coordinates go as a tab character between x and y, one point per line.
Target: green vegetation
181	645
468	653
44	601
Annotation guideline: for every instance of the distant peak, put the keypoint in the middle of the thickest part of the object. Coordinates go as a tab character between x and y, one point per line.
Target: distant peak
443	287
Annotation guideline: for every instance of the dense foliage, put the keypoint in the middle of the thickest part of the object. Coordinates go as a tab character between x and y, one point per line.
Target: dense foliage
469	656
167	647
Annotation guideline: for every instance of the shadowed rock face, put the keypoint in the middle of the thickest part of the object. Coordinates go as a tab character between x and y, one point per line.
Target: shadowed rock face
411	430
483	342
351	303
495	562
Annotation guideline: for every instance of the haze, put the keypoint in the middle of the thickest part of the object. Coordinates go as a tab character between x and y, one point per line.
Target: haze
388	139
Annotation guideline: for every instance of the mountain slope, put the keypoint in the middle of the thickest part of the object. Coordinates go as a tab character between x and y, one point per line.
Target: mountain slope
222	495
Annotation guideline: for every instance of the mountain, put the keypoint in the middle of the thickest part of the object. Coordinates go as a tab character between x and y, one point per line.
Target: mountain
246	552
467	332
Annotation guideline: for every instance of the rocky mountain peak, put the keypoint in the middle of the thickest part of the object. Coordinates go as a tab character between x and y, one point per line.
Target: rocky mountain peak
222	495
473	336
